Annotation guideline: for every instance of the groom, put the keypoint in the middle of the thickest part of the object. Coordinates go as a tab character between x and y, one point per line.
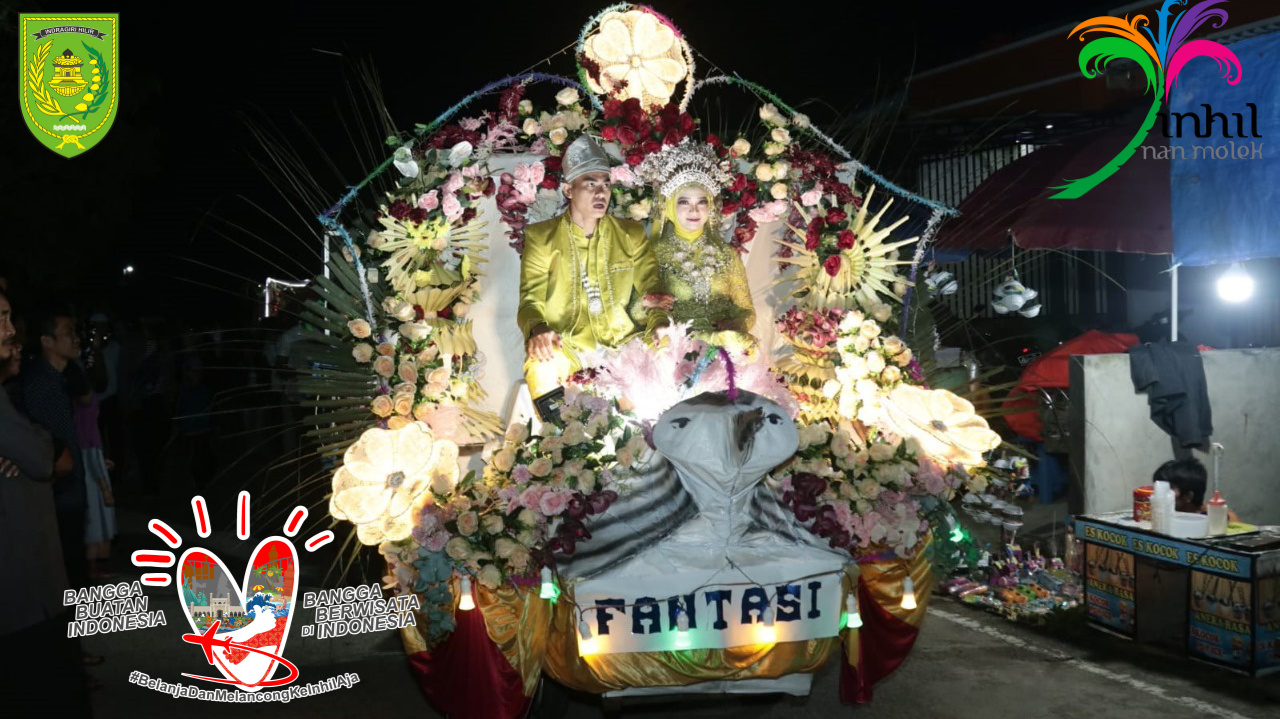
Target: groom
587	279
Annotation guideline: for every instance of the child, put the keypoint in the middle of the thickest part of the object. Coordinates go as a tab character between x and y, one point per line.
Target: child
1189	480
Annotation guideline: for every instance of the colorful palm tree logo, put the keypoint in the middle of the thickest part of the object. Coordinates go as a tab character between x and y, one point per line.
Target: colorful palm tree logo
1161	57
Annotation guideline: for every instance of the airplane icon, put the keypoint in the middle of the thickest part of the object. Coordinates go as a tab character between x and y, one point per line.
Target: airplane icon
208	641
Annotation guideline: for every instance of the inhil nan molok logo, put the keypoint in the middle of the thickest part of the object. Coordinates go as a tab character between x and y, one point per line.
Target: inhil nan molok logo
69	88
1161	54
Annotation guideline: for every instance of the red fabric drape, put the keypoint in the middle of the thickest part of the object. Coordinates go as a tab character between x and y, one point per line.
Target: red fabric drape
467	676
884	641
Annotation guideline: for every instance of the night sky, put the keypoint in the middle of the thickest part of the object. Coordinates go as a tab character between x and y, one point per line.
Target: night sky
172	190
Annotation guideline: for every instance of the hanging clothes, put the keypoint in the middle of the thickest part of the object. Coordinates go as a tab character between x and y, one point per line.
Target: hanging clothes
1172	374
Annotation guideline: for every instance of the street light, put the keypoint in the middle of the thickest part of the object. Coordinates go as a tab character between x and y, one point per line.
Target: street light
1235	285
128	269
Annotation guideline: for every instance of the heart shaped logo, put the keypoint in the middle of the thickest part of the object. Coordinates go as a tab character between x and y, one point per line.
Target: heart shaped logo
252	620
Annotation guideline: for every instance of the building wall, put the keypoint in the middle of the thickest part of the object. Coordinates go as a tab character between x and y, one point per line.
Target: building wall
1118	446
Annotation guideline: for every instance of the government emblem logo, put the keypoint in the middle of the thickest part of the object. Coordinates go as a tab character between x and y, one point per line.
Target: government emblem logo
69	89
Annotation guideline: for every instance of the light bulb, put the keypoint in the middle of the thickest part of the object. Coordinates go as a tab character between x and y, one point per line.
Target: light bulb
548	586
682	622
682	640
768	632
908	594
587	644
852	619
466	602
1235	285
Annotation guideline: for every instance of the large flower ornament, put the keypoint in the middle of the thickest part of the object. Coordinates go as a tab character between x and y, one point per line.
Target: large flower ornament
638	56
944	425
385	475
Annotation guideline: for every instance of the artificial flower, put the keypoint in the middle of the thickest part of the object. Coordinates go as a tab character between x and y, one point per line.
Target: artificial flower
567	96
944	424
359	328
740	147
639	57
384	477
362	353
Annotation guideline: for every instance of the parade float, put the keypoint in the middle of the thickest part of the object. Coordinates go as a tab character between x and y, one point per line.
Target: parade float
686	517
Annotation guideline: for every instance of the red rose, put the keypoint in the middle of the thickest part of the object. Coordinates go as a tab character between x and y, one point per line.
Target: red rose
635	157
631	104
552	164
672	138
846	239
609	132
627	136
651	146
636	119
730	207
836	215
687	123
813	235
418	214
400	209
714	140
550	182
832	265
749	198
739	182
612	108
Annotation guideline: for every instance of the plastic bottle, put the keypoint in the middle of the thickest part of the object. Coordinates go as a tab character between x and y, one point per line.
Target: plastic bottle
1217	514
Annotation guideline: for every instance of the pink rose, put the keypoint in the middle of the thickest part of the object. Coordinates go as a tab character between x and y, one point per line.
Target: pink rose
554	502
811	197
526	193
452	184
429	201
622	175
531	174
532	496
451	207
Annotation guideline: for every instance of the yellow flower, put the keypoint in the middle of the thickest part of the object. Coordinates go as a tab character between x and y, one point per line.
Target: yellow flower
634	48
944	425
384	477
88	97
82	107
94	87
93	62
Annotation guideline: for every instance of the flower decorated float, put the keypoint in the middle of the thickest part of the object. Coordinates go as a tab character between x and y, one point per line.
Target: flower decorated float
686	516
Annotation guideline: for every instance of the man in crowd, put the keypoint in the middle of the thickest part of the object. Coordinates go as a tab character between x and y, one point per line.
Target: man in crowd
48	404
580	274
33	622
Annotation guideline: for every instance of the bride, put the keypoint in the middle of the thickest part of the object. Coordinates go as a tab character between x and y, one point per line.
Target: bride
698	267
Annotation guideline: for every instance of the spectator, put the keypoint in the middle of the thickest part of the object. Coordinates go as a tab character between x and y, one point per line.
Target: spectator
100	513
48	404
31	567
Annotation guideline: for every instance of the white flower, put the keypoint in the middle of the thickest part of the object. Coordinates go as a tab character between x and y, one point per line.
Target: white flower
531	126
812	434
398	308
944	424
567	96
490	576
882	312
635	48
558	136
881	452
800	120
404	162
875	362
540	467
460	153
517	433
778	191
780	169
870	329
359	328
854	369
525	107
773	149
764	172
362	353
384	477
638	211
780	135
850	321
769	114
740	147
415	331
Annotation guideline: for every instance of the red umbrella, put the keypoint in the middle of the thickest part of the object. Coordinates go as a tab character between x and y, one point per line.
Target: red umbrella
1053	369
1129	212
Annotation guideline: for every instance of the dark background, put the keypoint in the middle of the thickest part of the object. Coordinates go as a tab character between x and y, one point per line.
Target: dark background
178	188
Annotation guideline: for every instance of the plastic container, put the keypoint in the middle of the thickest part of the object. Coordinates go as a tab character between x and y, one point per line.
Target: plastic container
1142	503
1217	514
1189	524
